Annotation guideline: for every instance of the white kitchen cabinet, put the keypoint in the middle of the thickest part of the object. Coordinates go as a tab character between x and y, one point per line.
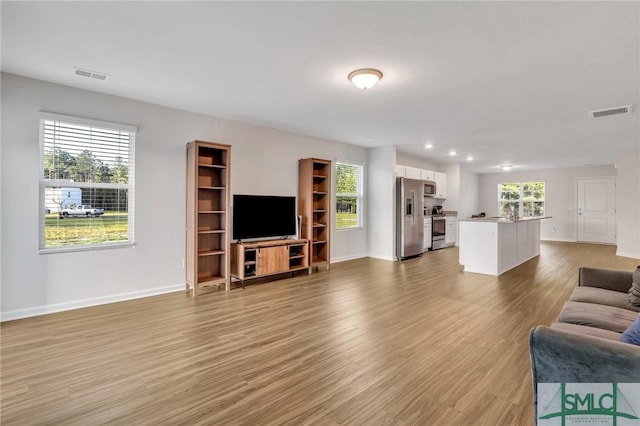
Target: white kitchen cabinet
428	175
441	185
427	233
401	171
451	230
413	173
493	246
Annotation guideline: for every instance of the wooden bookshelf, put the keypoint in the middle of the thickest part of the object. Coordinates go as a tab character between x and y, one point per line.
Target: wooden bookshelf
314	205
207	238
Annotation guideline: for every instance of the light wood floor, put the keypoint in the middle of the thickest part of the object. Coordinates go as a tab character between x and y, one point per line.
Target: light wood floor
370	343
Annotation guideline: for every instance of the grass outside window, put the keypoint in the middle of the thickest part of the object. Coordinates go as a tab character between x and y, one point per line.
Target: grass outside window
82	231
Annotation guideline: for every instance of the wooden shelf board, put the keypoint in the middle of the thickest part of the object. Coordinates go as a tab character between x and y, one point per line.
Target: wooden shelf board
319	211
211	211
319	177
319	225
298	268
211	280
268	243
249	263
211	231
296	257
212	187
213	166
318	242
320	192
210	253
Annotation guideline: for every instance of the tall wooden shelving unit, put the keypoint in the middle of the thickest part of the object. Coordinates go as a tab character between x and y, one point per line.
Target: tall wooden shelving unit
208	192
314	205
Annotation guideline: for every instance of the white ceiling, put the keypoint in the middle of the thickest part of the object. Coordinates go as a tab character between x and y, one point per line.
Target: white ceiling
506	82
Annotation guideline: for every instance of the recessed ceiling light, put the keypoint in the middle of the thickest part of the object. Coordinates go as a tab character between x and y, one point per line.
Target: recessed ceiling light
452	153
469	157
506	167
428	145
365	78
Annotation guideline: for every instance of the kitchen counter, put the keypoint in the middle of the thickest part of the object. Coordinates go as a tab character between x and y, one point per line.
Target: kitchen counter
503	219
493	245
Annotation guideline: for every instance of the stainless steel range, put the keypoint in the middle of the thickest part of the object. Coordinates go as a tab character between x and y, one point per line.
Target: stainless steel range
438	231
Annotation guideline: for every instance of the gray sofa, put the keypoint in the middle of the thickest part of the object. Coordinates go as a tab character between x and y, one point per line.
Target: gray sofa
583	345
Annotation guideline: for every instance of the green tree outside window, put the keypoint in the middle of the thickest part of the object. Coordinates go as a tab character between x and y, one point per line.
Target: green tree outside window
526	199
348	195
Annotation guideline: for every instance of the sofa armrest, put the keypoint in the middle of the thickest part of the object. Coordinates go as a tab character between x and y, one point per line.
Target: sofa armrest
605	278
560	356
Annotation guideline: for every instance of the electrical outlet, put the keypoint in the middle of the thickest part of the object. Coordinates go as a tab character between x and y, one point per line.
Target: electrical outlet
183	260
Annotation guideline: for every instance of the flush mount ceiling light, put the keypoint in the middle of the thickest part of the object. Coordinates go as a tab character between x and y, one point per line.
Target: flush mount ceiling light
365	78
452	153
469	157
428	145
506	167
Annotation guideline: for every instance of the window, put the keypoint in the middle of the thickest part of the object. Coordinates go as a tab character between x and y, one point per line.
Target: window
86	184
526	199
348	195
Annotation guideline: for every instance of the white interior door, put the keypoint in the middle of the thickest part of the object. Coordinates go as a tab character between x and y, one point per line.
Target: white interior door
596	210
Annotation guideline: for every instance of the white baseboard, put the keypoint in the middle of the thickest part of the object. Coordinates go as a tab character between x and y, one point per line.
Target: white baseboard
374	256
350	257
85	303
631	255
560	240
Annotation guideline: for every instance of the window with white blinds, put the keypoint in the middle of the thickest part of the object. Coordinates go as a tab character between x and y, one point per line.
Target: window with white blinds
349	199
86	184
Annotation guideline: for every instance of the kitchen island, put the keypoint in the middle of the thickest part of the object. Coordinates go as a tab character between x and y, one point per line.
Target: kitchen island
495	245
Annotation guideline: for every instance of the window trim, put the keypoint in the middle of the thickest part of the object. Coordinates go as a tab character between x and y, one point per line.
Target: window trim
521	198
359	197
130	242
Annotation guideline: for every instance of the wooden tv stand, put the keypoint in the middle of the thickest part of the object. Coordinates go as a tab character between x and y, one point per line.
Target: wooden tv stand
250	260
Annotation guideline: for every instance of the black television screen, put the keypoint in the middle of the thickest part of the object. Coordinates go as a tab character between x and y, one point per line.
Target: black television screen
262	216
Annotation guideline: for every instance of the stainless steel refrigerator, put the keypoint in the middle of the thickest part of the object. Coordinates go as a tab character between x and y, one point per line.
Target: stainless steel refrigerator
409	217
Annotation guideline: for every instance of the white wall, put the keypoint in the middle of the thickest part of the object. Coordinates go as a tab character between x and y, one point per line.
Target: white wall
468	200
407	160
628	204
264	161
381	196
560	196
452	202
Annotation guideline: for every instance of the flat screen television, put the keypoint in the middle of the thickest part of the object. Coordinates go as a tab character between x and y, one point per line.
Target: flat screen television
263	216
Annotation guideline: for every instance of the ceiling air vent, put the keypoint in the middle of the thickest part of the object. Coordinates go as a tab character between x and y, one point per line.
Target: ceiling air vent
91	74
627	109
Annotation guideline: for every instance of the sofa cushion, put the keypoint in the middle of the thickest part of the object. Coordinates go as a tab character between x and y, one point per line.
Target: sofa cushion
605	278
601	296
589	331
632	333
598	316
634	291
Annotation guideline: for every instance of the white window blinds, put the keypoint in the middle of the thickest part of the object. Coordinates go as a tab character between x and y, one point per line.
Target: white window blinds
86	183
